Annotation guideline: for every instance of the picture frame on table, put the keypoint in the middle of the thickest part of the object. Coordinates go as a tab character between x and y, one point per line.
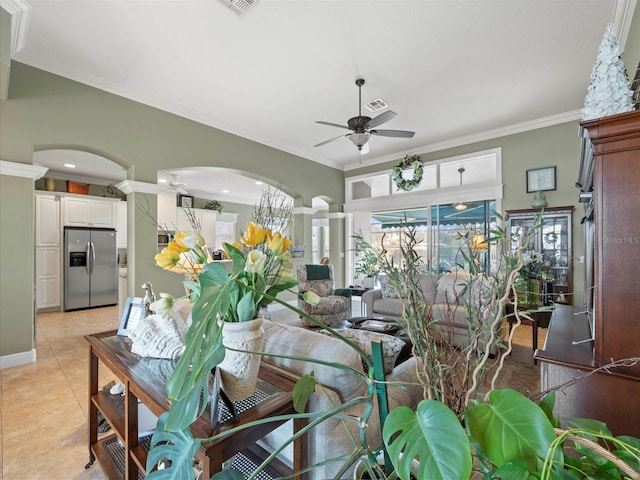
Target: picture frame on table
185	201
132	313
541	179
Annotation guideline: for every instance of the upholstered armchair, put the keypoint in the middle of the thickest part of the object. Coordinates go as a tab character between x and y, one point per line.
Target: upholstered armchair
335	304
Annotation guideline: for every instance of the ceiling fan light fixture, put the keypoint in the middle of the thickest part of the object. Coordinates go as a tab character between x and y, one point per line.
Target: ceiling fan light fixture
460	206
359	139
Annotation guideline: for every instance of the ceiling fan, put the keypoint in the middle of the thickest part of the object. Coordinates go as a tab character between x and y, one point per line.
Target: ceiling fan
177	186
363	127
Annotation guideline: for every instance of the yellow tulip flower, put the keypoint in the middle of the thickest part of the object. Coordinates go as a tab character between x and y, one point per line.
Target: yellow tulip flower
167	258
190	239
234	244
277	243
255	235
178	247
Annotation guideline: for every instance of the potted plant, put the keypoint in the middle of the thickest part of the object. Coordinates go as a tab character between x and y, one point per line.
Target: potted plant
506	435
470	428
366	263
458	430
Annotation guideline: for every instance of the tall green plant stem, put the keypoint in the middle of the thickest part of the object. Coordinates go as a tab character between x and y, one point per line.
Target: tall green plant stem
573	434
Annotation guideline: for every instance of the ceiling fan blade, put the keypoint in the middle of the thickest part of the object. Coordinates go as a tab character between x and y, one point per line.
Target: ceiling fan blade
393	133
328	141
380	119
332	124
181	191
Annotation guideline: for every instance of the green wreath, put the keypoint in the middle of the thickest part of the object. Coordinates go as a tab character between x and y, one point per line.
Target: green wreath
408	184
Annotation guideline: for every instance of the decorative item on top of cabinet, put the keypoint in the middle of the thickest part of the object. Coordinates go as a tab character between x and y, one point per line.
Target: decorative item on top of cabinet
553	245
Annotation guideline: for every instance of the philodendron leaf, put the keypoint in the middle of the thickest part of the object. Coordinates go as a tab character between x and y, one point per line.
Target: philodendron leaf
516	470
547	404
175	450
511	427
305	386
432	434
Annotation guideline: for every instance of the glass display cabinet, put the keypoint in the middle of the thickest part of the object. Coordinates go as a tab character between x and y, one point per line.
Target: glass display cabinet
553	244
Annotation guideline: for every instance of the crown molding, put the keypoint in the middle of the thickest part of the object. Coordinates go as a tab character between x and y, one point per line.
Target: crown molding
20	13
132	186
622	17
480	137
304	211
22	170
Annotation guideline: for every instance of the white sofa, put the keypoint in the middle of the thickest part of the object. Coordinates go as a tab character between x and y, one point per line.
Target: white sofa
331	439
445	293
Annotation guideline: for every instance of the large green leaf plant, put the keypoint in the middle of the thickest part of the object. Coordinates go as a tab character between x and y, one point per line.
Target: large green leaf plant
510	437
458	432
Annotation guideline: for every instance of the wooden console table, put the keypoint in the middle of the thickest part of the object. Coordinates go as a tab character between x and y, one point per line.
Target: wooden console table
538	320
610	396
122	454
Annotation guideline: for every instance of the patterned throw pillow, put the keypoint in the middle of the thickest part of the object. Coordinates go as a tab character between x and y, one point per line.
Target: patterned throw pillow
391	346
387	289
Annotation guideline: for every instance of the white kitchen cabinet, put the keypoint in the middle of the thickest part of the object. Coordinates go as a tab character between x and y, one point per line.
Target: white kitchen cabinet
47	251
205	218
47	226
182	220
208	227
48	278
167	211
88	212
121	224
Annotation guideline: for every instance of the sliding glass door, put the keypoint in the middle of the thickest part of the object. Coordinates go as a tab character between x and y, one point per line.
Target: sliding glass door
440	230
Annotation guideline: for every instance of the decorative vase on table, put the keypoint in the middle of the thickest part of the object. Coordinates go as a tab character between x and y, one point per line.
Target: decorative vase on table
534	292
239	370
521	286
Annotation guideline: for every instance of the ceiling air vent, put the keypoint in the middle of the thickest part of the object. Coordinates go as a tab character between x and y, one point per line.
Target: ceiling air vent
376	105
240	6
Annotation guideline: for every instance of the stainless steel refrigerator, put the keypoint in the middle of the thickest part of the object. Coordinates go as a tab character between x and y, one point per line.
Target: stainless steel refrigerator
90	268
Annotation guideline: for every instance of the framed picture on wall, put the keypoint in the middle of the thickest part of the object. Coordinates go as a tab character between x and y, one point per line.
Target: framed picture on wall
541	179
185	201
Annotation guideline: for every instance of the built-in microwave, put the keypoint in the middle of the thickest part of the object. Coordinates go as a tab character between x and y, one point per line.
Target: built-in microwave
164	237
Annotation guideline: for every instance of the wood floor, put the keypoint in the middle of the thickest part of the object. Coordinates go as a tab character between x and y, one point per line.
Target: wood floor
43	405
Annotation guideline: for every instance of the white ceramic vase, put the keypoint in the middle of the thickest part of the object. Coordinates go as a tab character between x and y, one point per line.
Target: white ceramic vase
239	370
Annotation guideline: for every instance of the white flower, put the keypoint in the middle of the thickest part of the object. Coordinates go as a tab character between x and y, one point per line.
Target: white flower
256	261
163	305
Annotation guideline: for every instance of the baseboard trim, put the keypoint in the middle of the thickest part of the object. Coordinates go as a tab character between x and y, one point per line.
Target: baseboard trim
16	359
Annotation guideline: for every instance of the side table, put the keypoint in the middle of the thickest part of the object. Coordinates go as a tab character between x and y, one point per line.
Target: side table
123	454
538	320
357	291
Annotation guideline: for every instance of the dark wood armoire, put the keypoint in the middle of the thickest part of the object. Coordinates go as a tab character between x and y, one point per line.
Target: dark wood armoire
609	180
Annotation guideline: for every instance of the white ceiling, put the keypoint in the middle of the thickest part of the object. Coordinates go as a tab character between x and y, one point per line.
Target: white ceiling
453	71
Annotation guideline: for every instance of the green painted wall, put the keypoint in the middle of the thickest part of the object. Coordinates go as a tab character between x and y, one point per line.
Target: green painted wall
17	268
552	146
631	54
5	37
47	111
557	145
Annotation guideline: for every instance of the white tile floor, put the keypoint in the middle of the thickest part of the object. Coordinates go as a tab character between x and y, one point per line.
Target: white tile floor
43	405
